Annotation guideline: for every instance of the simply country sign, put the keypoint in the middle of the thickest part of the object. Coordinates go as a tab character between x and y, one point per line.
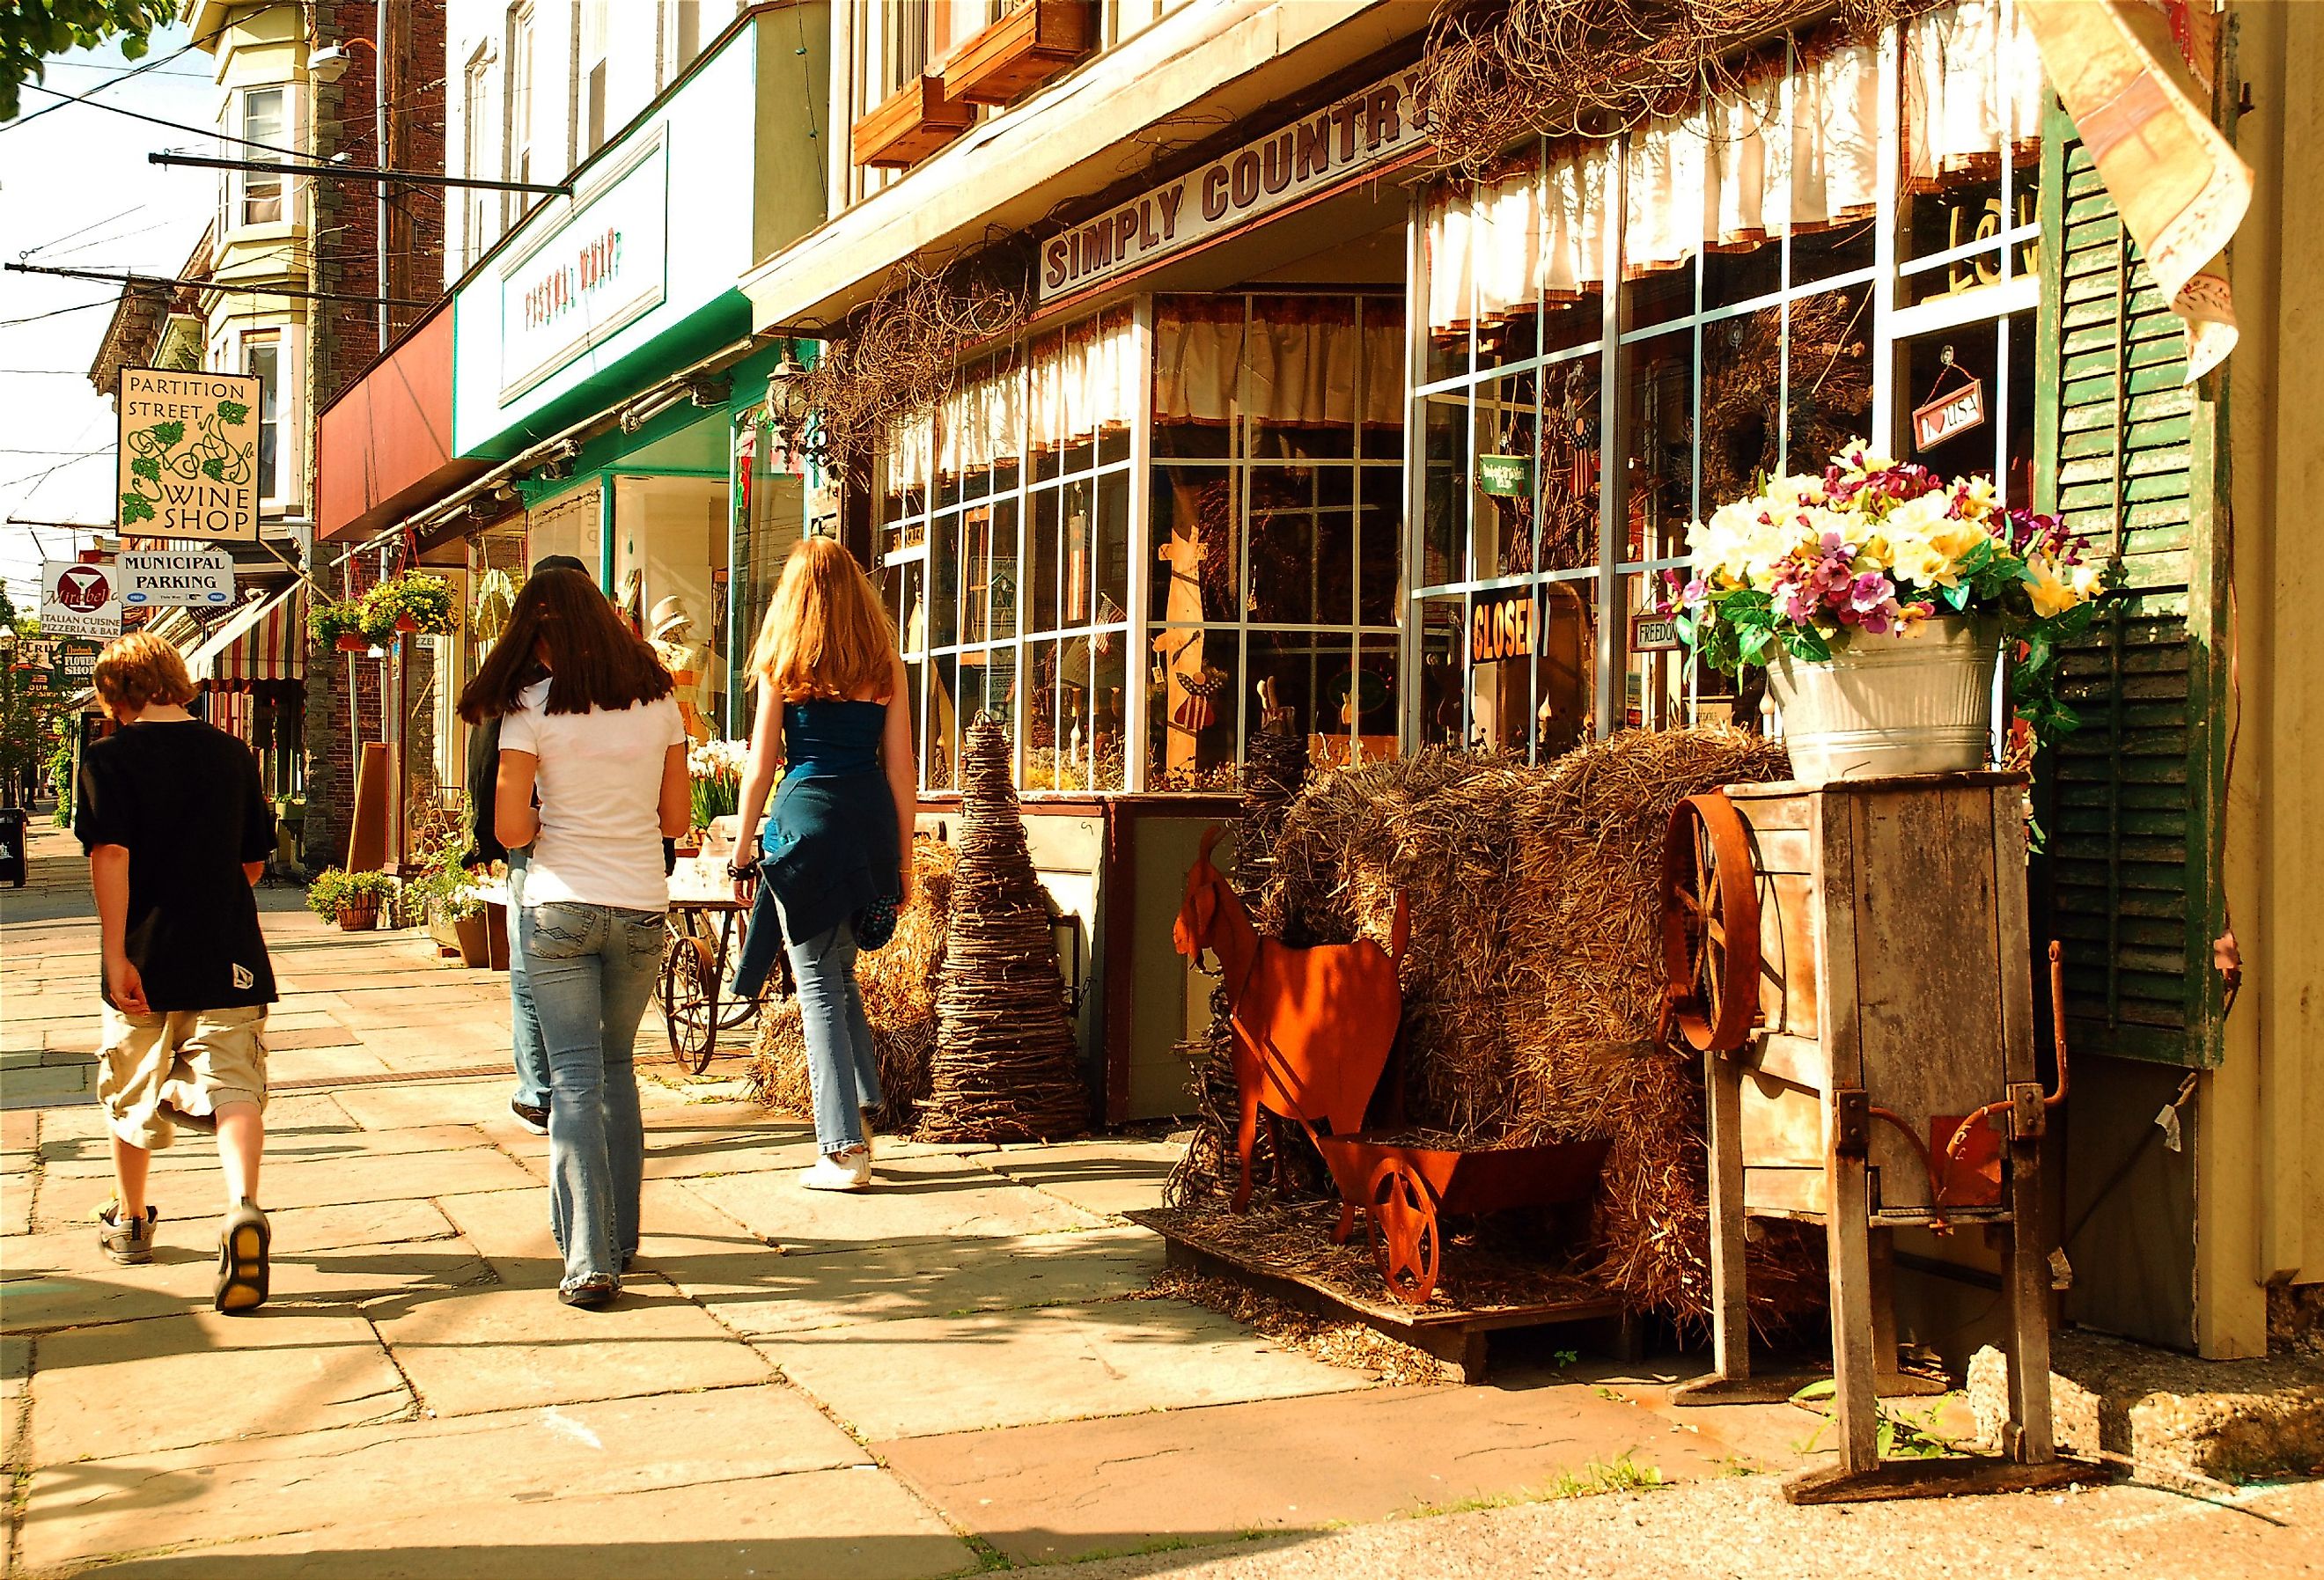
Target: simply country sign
1362	132
189	455
196	578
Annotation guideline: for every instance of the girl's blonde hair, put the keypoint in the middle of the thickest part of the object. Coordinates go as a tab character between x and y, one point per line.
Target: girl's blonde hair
138	671
826	633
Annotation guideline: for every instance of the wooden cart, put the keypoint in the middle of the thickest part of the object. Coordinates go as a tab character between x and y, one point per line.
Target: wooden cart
1853	961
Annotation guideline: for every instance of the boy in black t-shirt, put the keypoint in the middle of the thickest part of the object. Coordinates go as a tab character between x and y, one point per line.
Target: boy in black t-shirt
177	830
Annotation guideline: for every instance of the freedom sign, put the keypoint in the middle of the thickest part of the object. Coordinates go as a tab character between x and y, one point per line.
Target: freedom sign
189	455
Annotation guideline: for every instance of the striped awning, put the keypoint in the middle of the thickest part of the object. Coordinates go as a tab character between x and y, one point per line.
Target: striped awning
265	641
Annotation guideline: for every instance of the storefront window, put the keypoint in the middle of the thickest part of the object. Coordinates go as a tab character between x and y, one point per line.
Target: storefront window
670	580
769	508
1005	520
1751	333
1277	463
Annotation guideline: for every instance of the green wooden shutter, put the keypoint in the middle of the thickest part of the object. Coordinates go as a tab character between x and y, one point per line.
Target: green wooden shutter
2124	450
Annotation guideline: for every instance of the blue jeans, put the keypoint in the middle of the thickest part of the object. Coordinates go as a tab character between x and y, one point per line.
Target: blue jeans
531	1061
843	1066
593	969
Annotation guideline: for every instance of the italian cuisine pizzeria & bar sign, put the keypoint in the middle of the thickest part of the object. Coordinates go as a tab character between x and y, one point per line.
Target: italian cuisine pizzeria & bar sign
1362	133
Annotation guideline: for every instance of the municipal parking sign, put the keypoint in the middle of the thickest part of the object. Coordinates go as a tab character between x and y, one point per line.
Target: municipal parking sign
197	578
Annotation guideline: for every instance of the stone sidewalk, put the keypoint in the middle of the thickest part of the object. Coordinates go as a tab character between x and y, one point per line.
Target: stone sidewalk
957	1371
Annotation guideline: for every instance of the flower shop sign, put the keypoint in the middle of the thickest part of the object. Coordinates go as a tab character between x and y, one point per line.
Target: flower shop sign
1362	133
189	455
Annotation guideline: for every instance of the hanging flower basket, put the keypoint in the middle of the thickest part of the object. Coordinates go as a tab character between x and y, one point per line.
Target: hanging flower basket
414	603
353	642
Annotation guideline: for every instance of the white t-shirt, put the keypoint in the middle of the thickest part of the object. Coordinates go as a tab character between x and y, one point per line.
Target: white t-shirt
600	787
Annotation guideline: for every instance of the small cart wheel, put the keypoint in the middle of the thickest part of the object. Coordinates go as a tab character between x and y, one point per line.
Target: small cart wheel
689	1005
1404	1239
1710	926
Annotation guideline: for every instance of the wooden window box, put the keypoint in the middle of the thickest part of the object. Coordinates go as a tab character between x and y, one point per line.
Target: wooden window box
911	125
1024	49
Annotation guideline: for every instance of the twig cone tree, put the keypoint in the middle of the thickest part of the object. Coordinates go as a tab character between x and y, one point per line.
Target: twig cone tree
1005	1067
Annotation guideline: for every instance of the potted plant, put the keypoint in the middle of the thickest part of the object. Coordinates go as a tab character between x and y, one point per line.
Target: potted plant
413	602
353	899
453	909
340	625
714	772
1879	597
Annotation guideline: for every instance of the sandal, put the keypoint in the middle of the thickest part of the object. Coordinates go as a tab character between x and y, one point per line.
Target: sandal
242	1261
593	1293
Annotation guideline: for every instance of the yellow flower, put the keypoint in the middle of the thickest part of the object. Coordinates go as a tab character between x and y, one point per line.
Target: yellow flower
2051	592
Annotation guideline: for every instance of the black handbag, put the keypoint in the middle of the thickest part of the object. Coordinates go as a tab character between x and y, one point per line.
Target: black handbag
875	924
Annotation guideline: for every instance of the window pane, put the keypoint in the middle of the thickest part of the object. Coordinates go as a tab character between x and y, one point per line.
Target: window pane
1197	558
942	752
1110	653
1193	711
1442	653
1111	551
1379	529
1444	500
1568	472
1829	401
1660	390
1042	594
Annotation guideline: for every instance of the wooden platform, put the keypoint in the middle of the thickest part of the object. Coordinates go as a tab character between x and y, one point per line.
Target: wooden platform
1455	1334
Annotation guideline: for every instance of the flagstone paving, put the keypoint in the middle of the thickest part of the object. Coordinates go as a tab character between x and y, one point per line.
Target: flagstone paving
955	1372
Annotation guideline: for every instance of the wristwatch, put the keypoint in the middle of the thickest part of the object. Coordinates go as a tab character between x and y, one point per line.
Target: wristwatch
739	869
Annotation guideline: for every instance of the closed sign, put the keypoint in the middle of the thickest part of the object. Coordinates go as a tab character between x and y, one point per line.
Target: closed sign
1501	625
198	578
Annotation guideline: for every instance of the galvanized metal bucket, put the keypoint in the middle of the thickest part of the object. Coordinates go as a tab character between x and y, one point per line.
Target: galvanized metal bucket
1889	705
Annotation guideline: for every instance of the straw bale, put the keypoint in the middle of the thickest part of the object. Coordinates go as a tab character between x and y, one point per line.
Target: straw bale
1533	979
899	984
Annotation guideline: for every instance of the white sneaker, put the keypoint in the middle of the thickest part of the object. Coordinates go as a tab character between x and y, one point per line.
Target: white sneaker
848	1170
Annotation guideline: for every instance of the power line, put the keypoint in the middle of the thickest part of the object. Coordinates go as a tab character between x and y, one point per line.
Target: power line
84	230
221	285
172	126
57	312
190	45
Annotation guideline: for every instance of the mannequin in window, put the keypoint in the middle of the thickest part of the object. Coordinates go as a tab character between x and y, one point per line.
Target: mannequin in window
673	629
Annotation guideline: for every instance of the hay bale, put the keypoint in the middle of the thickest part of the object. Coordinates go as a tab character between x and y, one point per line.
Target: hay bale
1533	979
899	984
1005	1067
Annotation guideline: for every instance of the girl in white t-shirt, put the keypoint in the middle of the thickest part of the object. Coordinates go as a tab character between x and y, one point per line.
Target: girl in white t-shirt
593	777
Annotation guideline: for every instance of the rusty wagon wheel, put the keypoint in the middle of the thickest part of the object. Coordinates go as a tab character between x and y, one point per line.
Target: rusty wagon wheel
1711	925
1406	1240
689	1003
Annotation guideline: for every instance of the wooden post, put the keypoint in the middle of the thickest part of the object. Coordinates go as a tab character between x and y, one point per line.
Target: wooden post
1722	1079
1847	1231
2025	1281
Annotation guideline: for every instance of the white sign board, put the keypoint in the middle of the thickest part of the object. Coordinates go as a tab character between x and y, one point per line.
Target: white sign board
80	600
194	579
1363	131
602	269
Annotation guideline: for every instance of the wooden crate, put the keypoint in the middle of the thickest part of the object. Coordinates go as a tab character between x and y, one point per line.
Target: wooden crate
911	124
1028	45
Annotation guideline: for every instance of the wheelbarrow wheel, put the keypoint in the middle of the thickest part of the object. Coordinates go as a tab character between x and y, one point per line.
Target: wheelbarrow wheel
689	1005
1402	1222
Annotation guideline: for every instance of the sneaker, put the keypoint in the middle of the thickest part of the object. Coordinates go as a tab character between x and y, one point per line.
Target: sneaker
535	1120
130	1244
848	1170
593	1293
242	1261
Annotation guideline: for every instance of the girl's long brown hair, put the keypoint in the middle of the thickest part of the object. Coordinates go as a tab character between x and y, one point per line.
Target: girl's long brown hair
594	660
826	633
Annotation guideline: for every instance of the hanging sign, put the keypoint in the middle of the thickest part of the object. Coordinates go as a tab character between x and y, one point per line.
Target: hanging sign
1502	625
80	600
1949	415
194	579
1505	476
1654	634
189	455
1363	131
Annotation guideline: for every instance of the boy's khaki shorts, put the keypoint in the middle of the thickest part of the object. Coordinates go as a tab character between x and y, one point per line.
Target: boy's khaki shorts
157	1067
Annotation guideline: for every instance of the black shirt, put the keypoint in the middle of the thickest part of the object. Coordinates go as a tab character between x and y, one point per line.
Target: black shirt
184	798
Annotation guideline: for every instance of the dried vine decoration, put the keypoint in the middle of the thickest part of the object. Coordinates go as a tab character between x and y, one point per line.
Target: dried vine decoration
1493	73
900	354
1830	392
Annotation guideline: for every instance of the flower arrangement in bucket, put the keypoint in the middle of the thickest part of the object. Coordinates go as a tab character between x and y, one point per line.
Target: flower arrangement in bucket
713	774
1880	596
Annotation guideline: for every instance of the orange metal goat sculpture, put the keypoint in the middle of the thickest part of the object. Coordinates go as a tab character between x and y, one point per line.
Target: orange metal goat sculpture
1312	1027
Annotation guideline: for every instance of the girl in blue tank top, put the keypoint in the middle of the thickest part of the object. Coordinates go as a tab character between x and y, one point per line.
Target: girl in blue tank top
835	853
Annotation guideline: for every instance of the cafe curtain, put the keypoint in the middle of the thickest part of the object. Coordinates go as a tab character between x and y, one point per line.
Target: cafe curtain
1799	146
1064	388
1309	363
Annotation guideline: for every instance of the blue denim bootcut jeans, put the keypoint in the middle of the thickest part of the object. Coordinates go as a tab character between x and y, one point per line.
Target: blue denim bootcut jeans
592	969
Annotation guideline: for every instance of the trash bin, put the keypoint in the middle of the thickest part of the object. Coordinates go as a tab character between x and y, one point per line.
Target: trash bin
12	845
